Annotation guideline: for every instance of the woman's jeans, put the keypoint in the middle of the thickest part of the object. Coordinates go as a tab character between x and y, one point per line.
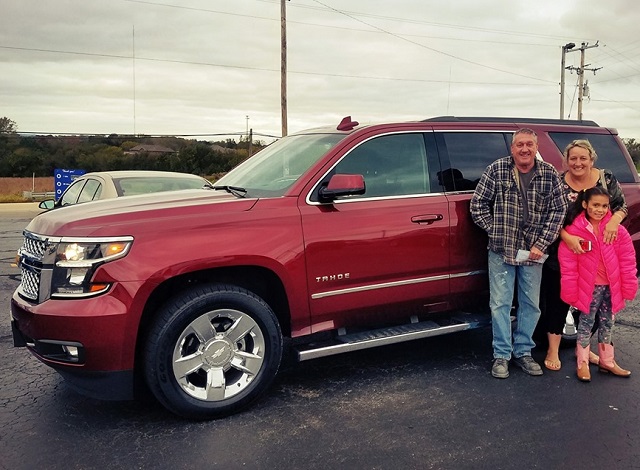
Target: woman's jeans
503	278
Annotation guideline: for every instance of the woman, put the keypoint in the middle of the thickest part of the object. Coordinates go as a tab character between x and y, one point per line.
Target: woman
579	158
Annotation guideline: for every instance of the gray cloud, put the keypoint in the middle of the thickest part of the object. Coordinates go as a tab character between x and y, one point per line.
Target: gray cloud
202	67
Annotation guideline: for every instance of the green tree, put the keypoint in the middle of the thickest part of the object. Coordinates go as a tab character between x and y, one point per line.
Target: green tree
22	156
633	147
23	161
128	145
7	126
8	141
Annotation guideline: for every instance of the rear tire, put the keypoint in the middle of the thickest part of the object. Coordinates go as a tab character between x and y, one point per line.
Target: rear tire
211	351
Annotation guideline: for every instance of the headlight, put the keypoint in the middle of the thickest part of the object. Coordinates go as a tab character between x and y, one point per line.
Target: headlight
77	260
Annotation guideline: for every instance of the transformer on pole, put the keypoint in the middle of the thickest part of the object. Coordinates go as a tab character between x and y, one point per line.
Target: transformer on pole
569	47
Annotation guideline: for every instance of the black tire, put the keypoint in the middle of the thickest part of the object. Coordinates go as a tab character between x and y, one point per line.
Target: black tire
211	351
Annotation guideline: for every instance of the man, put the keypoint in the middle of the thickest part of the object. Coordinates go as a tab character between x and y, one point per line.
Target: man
520	204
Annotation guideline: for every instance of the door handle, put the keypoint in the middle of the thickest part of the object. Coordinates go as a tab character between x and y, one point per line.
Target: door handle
426	219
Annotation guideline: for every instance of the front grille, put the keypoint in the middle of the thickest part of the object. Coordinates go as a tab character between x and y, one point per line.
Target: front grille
33	259
34	247
30	283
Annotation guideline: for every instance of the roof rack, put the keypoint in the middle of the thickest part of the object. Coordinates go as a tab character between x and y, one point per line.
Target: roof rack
566	122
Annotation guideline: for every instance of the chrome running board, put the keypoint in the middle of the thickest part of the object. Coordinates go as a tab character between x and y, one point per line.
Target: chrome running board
459	321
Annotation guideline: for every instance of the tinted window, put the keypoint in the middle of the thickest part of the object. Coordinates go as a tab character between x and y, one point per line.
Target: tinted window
392	165
610	155
469	154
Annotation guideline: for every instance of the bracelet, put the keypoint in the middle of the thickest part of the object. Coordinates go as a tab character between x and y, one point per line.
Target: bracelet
621	217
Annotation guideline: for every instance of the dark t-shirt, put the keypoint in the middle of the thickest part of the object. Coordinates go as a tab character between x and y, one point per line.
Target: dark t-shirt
525	181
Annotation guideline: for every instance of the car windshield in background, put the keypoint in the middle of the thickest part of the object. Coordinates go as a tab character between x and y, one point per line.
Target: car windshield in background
145	185
270	172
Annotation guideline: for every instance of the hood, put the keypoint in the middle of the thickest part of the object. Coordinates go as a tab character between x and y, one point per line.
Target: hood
126	215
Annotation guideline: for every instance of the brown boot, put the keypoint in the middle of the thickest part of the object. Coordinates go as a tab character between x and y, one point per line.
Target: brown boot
607	362
582	355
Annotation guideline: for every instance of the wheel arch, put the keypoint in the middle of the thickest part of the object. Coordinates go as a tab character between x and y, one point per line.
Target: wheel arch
261	281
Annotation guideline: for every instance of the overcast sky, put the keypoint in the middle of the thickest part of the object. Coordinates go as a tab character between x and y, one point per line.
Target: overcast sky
200	67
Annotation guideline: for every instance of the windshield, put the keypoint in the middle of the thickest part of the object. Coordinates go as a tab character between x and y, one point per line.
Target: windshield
270	172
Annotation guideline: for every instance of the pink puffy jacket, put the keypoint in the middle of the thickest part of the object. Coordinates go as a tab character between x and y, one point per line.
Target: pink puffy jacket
578	272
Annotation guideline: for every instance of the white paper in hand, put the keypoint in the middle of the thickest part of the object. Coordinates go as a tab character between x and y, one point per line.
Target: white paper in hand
523	255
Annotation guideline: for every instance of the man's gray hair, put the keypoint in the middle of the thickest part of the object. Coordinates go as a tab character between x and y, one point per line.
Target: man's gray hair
525	130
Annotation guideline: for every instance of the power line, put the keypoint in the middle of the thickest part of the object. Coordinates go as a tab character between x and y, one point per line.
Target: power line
360	14
262	69
141	136
431	48
629	62
352	15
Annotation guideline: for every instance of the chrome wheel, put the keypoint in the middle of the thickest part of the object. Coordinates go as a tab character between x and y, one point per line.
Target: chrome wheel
218	355
212	350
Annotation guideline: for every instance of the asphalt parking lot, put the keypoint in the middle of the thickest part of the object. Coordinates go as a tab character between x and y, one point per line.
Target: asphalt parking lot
427	404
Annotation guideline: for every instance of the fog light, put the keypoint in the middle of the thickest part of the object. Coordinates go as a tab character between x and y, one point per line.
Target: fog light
72	352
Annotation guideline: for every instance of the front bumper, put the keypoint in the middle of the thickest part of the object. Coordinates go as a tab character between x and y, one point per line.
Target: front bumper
90	342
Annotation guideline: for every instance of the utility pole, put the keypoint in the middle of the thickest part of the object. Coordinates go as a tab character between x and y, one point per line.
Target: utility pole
580	71
133	54
283	65
566	48
581	78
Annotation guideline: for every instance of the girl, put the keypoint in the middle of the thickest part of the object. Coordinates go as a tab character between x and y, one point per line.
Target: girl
598	281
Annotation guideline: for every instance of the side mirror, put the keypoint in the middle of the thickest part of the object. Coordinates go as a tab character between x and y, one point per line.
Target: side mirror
341	185
47	204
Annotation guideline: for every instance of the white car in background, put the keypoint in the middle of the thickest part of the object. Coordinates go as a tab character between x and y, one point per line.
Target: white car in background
102	185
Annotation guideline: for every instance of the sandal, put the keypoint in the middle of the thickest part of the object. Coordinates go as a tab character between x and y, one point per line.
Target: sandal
552	364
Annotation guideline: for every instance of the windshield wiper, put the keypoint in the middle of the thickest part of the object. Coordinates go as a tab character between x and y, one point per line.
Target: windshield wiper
235	190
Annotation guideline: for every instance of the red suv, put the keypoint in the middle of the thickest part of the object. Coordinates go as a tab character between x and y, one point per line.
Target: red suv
328	240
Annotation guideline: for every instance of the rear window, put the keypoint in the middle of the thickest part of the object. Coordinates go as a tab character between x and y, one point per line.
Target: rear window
610	155
469	154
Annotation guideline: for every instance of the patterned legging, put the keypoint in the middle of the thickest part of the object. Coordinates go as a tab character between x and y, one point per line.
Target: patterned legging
600	305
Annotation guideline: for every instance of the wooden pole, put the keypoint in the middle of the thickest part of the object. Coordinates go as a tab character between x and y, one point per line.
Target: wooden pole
283	65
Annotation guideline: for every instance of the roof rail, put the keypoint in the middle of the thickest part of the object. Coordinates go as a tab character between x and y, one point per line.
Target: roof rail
566	122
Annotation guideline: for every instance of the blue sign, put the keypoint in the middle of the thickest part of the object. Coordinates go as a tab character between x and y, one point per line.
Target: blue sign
63	178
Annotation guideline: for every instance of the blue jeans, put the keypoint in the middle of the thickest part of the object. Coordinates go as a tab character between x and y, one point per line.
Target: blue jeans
502	280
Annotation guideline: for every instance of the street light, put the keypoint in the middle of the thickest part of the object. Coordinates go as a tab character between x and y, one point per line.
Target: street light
567	47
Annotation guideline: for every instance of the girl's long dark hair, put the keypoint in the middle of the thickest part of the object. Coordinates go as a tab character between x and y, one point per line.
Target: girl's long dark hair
585	195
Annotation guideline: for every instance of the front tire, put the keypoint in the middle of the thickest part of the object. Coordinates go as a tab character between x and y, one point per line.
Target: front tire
212	350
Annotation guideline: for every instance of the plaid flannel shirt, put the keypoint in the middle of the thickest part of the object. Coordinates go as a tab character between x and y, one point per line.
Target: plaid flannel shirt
496	207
